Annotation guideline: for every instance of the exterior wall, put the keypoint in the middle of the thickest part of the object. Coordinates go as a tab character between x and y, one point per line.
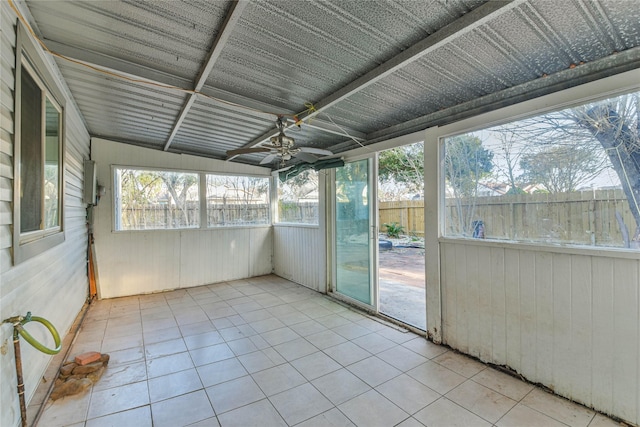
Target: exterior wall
566	317
53	284
300	254
137	262
300	251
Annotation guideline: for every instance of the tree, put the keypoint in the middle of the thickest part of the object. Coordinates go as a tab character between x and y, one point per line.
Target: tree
610	127
179	185
401	171
615	124
466	162
561	168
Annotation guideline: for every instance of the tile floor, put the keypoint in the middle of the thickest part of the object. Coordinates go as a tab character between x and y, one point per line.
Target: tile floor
267	352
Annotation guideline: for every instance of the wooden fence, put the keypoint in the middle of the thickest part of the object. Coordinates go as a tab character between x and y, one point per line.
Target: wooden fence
584	218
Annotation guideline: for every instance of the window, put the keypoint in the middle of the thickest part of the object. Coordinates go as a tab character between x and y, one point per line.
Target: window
151	199
237	200
38	184
298	199
565	177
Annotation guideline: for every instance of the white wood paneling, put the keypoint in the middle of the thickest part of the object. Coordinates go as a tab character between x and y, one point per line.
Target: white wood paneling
137	262
566	319
53	284
299	255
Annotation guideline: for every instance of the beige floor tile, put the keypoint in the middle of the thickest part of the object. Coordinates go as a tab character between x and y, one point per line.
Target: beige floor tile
522	415
169	364
310	327
481	400
558	408
459	363
260	360
182	410
242	346
347	353
407	393
292	350
315	365
402	358
445	413
372	409
351	331
503	383
234	394
121	343
196	328
340	386
280	336
601	421
253	326
164	348
278	379
119	375
373	371
117	399
139	417
219	372
209	422
331	418
69	410
424	347
325	339
203	340
161	335
123	357
257	414
173	385
300	403
410	422
436	377
374	343
210	354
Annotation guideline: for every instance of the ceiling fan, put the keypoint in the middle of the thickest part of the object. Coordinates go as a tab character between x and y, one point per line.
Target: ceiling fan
282	146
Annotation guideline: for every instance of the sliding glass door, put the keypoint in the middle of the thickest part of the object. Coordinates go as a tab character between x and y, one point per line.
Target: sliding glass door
355	232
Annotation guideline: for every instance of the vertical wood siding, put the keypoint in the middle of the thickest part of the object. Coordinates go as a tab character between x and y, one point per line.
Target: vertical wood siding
53	284
137	262
567	320
300	255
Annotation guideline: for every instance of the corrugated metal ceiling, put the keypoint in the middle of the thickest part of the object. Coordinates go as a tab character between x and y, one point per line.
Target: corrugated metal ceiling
376	68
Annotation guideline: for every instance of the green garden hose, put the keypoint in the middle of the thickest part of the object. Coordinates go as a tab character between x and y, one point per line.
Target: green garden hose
27	336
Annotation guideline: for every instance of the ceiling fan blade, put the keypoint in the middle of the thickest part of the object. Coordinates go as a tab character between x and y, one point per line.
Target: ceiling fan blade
268	159
313	150
306	157
247	151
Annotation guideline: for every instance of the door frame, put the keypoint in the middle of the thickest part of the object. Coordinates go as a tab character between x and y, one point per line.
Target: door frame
372	178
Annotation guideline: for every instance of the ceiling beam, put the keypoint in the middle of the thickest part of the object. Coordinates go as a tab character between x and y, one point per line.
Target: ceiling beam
213	96
458	28
230	22
332	128
617	63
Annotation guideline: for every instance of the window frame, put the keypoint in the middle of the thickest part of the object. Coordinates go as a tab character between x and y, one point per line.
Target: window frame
202	199
522	111
29	244
277	220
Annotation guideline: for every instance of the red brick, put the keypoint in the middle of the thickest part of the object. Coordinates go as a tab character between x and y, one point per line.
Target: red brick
88	357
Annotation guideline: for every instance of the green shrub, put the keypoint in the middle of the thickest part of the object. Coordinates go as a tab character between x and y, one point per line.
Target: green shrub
394	229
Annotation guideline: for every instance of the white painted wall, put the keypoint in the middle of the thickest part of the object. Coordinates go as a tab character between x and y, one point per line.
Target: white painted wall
54	284
568	318
137	262
300	255
300	251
